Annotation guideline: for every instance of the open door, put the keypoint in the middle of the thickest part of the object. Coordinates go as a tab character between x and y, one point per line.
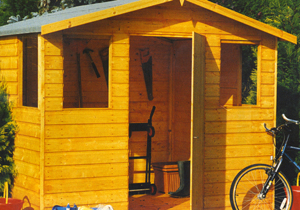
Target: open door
197	121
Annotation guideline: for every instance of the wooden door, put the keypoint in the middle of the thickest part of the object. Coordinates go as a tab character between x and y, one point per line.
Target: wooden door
197	119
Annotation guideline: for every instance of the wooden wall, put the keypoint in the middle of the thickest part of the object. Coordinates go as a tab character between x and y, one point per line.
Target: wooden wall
84	152
234	135
27	151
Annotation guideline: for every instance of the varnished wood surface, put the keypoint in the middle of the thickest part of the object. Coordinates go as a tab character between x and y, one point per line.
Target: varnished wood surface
159	201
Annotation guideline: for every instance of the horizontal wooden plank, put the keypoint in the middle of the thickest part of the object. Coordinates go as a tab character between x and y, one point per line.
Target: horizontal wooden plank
120	102
90	157
120	90
93	130
86	144
54	90
12	88
53	62
212	65
213	53
120	63
268	78
86	171
268	66
212	77
235	127
142	96
27	114
27	182
239	114
237	139
54	76
53	103
267	102
9	40
214	202
28	169
267	90
212	90
7	63
86	116
225	176
85	198
84	185
140	147
28	156
10	75
9	50
158	86
211	102
29	129
27	142
146	107
120	50
234	163
238	151
267	54
120	77
53	46
217	189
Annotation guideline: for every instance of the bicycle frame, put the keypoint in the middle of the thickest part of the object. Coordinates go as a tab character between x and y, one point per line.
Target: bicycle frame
278	162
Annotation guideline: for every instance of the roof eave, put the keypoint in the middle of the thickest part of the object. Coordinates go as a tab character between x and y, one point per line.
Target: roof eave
126	8
100	15
245	20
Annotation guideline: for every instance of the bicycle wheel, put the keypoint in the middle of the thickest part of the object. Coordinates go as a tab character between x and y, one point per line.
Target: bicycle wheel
246	186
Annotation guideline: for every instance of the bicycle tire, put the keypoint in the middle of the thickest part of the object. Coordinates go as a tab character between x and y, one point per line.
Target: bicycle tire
248	183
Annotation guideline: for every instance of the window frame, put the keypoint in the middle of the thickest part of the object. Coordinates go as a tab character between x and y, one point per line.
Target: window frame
259	57
100	37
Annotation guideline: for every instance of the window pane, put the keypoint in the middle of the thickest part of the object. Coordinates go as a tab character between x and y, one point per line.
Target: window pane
30	71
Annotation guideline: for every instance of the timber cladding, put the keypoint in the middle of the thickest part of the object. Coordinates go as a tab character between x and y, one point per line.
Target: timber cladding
74	146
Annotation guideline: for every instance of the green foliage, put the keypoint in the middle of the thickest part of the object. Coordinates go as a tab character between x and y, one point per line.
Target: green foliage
62	4
249	74
8	129
16	7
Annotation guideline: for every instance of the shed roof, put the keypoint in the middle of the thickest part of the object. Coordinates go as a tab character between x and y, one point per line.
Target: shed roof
34	25
77	16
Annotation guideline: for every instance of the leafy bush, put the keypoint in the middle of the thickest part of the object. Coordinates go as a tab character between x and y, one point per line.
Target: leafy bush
8	129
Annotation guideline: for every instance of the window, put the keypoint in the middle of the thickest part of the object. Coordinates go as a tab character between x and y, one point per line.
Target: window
86	72
30	71
238	81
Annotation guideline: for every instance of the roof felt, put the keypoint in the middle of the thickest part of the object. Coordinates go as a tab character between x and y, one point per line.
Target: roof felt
34	25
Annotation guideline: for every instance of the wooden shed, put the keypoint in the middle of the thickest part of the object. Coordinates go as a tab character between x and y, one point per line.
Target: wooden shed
73	145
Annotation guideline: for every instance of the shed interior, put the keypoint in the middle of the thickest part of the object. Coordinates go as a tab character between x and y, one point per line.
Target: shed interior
171	91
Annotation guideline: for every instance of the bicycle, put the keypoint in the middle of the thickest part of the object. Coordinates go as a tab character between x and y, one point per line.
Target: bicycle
261	186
